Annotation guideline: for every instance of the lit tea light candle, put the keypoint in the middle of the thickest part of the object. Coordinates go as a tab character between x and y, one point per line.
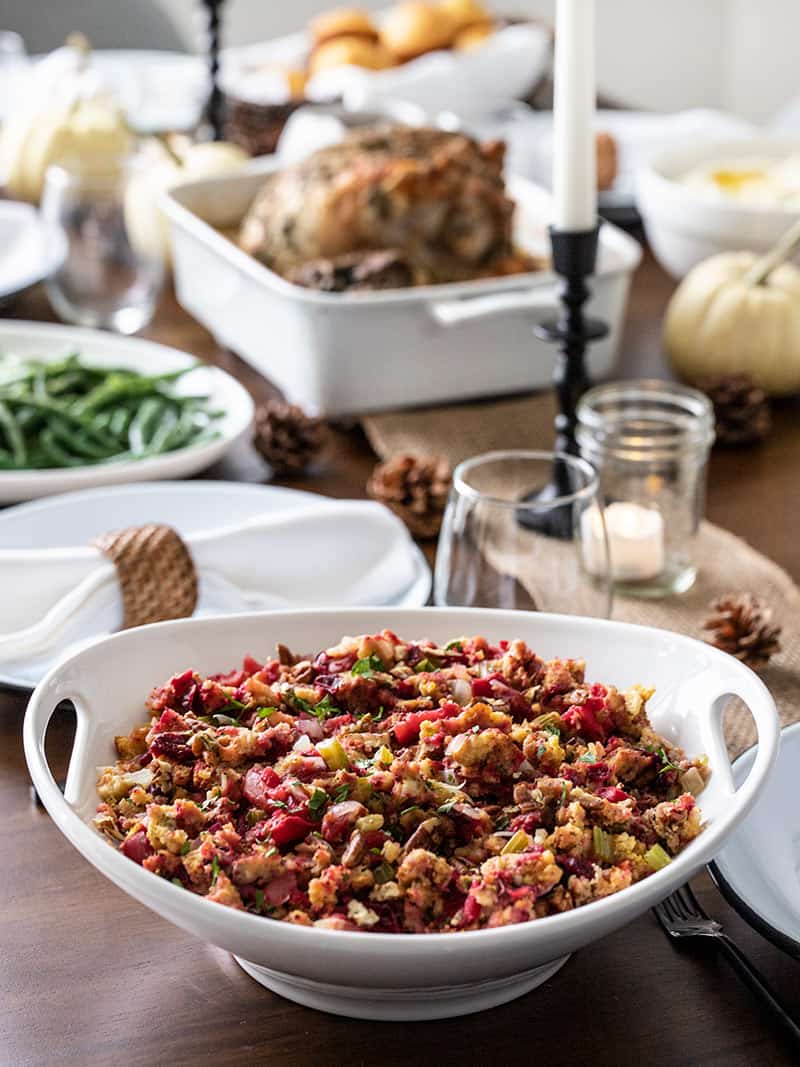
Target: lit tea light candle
635	542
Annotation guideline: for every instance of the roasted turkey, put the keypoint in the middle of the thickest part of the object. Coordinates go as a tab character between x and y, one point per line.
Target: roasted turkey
435	200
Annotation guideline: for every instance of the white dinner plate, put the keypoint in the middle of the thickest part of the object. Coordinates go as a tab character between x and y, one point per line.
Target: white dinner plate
47	342
758	870
30	249
190	507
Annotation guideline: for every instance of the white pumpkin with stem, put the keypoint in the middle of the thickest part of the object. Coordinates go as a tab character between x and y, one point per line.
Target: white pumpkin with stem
738	313
162	166
69	114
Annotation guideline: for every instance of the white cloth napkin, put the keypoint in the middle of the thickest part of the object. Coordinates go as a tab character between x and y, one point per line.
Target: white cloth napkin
331	553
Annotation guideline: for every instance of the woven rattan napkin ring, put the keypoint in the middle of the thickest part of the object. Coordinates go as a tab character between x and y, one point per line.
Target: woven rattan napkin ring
156	573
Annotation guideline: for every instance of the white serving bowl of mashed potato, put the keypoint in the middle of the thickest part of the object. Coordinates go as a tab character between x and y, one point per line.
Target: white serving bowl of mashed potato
707	197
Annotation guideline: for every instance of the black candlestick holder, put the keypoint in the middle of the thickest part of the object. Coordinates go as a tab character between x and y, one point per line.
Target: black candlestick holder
574	258
215	106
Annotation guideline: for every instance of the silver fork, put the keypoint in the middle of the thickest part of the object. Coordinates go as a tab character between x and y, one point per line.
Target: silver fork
682	916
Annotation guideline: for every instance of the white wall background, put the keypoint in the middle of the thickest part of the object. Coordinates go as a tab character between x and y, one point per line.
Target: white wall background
738	55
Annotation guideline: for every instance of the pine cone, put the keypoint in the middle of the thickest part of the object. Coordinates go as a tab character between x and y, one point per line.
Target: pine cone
742	626
415	488
741	409
287	438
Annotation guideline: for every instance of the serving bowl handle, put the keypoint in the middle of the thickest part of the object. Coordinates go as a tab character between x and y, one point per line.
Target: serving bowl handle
44	702
542	300
755	695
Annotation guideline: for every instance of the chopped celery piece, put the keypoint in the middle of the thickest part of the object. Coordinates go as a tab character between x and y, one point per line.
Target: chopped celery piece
362	790
334	755
425	665
692	781
518	843
367	823
383	873
656	857
549	721
603	844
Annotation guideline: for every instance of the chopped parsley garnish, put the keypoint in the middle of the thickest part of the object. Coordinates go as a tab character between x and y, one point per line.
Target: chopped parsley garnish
383	873
367	665
563	792
298	702
317	802
412	807
233	705
225	720
666	764
342	792
551	728
259	899
379	714
186	847
587	757
324	709
454	646
502	822
540	751
270	852
214	870
425	665
279	803
448	805
264	713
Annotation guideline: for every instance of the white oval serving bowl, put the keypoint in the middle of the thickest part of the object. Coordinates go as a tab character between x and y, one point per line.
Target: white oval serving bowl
685	225
396	976
48	342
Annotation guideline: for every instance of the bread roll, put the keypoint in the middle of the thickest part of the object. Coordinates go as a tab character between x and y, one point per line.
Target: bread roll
412	28
342	22
464	13
472	37
349	51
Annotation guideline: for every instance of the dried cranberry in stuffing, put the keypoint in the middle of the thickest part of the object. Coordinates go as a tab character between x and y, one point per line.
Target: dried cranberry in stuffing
257	783
285	829
529	822
616	796
136	847
172	747
576	865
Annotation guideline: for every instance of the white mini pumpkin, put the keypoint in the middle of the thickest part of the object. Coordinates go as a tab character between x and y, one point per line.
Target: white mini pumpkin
731	315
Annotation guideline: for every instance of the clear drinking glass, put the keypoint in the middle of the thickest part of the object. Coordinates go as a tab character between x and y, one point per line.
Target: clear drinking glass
504	546
106	280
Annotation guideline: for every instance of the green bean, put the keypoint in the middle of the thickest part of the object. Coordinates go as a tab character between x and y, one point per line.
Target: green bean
79	442
120	421
163	432
144	424
16	441
55	454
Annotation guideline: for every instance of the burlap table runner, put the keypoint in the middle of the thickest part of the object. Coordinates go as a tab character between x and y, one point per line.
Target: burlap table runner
726	563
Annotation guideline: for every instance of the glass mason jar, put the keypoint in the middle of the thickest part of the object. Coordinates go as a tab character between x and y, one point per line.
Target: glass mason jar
649	442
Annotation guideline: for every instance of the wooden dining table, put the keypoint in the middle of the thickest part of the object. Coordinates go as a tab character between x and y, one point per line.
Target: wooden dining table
89	976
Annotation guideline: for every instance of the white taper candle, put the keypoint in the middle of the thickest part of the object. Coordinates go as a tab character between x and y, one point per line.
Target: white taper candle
574	160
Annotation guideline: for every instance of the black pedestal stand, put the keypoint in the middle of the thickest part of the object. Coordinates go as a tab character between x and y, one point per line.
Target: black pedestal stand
574	256
216	105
